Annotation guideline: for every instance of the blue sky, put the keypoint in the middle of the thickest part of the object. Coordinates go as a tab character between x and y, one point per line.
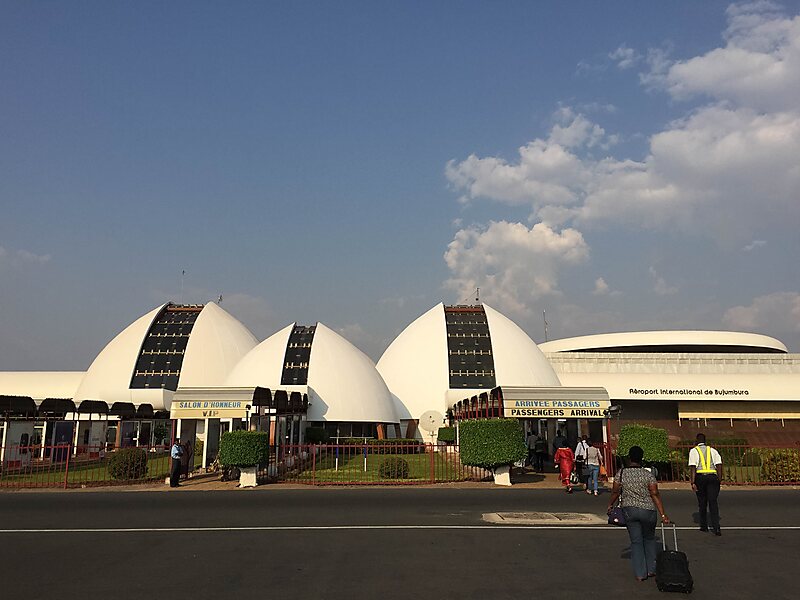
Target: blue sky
624	166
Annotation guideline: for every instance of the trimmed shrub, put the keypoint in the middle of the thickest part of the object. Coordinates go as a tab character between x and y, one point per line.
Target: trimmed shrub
387	446
396	446
128	463
244	448
354	441
653	440
491	443
447	434
316	435
393	467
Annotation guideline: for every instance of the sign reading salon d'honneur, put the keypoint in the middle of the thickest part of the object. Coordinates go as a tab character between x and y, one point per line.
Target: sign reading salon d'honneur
209	409
565	409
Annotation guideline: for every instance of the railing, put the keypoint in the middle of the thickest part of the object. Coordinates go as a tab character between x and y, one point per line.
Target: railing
743	464
370	464
66	466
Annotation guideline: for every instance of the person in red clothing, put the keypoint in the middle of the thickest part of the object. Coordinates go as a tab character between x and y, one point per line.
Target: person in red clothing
565	459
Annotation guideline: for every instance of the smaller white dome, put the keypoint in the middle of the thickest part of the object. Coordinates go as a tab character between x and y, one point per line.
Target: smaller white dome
343	384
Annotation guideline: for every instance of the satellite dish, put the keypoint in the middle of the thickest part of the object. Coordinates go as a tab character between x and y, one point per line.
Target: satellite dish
431	420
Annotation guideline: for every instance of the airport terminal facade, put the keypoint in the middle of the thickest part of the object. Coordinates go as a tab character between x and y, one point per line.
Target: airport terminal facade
194	371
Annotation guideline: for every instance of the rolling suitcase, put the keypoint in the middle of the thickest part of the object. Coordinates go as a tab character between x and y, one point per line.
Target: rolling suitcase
672	567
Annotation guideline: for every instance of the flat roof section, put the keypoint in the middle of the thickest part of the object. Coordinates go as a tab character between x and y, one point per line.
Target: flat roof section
670	342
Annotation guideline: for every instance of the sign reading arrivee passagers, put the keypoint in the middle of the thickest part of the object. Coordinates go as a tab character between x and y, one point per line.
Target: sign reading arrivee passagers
565	409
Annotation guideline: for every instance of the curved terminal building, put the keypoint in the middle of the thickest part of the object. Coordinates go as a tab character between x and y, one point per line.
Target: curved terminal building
732	384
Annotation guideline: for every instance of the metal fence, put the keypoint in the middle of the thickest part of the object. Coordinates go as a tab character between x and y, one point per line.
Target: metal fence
743	464
370	463
67	466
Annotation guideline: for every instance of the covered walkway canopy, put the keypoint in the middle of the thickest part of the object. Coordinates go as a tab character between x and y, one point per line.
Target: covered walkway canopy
541	402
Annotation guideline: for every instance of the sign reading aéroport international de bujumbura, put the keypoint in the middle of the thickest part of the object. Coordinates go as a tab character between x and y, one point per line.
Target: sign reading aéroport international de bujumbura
564	409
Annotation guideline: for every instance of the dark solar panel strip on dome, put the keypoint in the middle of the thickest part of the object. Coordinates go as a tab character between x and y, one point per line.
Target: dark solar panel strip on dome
298	355
469	348
161	356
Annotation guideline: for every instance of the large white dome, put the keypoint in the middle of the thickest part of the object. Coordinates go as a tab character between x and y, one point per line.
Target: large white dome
416	365
342	382
216	343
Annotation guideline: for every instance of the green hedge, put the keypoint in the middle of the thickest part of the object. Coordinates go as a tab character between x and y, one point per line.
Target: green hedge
387	446
491	443
316	435
447	434
653	440
128	463
779	465
244	448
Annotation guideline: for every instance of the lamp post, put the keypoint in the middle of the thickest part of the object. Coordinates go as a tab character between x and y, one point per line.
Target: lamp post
612	411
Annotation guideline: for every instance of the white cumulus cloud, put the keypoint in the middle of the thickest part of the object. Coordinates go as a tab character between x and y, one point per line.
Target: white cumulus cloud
778	312
512	264
759	66
624	57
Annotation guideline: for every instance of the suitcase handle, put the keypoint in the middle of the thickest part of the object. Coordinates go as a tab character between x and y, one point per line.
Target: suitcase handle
664	537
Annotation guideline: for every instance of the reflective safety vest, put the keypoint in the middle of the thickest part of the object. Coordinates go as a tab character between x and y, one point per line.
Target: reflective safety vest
706	466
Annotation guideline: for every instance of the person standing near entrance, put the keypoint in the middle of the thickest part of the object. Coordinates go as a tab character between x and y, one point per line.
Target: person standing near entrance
541	452
705	465
558	441
593	461
175	468
580	461
532	440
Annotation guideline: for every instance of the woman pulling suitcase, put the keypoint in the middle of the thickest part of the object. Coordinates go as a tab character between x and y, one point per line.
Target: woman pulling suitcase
637	492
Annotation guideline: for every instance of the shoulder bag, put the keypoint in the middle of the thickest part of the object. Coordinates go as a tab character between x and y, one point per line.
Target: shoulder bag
617	515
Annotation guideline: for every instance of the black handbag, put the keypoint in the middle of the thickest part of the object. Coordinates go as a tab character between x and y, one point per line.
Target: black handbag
617	517
617	514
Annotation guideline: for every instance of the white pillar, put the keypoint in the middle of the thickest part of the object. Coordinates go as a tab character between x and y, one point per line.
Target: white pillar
205	446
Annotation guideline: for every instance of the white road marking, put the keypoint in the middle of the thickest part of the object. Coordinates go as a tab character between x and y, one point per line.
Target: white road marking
367	528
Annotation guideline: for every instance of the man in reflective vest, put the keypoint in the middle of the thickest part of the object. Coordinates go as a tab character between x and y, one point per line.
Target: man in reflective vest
705	465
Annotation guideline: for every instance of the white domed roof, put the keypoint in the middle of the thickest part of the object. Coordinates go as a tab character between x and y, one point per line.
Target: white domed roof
416	368
343	384
216	343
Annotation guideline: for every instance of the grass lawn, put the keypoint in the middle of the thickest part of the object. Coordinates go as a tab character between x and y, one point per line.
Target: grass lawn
351	468
81	472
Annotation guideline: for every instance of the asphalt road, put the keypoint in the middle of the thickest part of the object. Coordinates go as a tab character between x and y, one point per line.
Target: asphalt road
371	543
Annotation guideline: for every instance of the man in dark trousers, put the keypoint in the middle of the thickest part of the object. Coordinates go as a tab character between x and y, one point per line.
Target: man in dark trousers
175	468
705	465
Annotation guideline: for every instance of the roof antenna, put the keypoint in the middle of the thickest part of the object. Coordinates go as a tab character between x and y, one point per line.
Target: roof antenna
183	274
478	295
544	318
219	300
